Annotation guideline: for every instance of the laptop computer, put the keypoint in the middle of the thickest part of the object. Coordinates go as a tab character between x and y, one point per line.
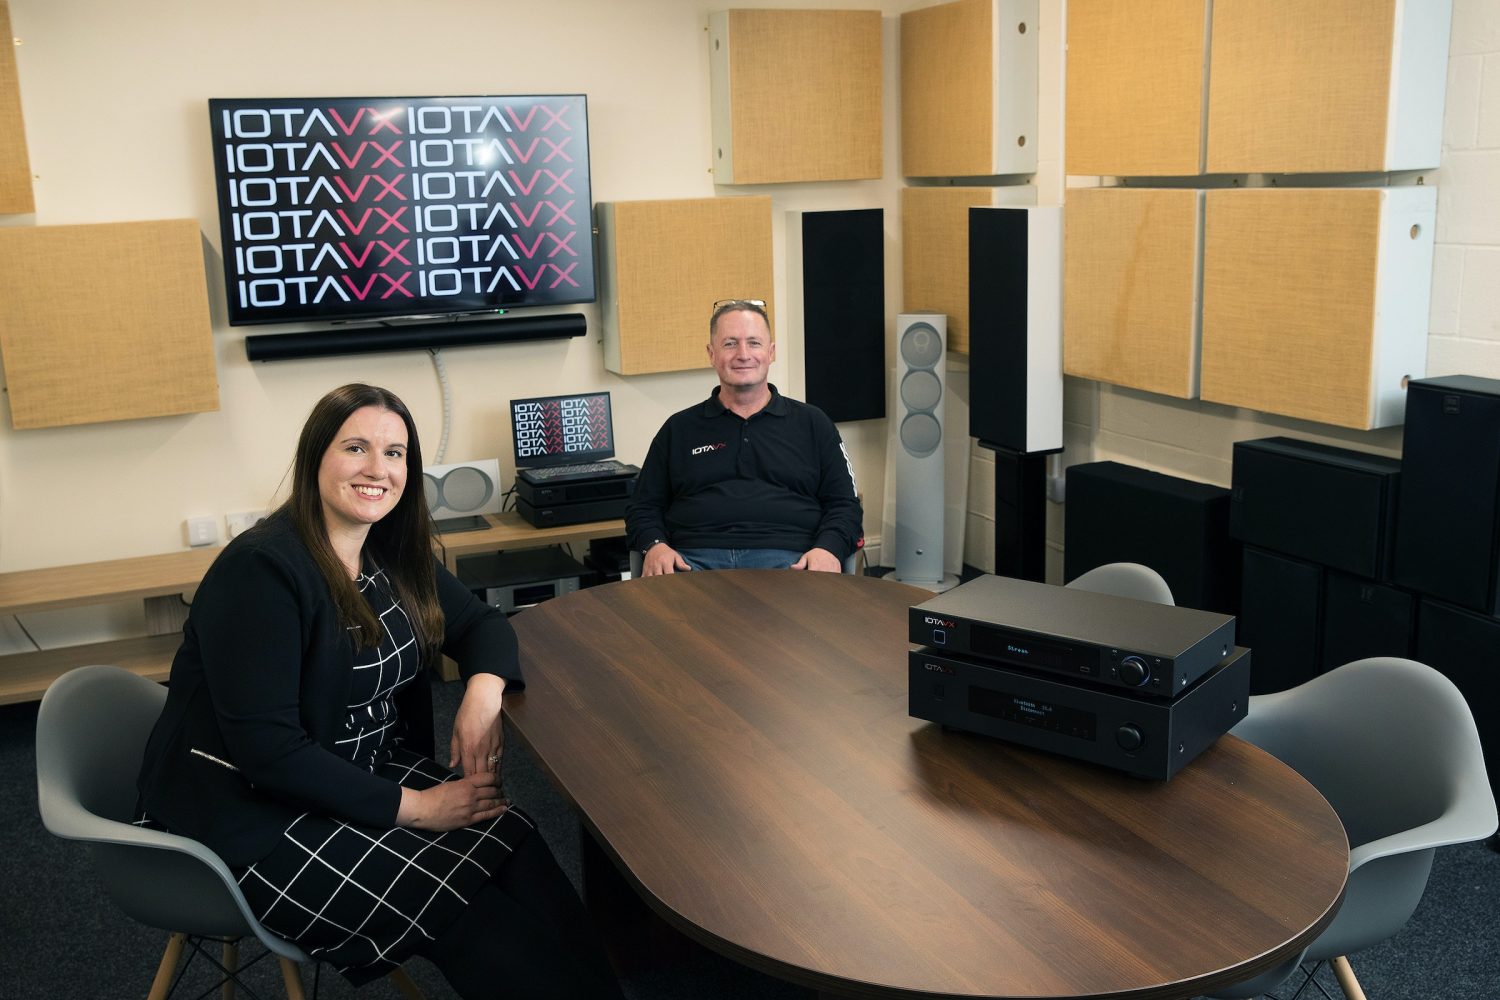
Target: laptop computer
562	439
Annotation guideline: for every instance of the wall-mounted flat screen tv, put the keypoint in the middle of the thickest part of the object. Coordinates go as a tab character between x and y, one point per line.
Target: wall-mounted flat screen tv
367	208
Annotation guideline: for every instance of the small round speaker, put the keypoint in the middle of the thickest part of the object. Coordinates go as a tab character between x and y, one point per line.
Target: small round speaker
921	346
921	390
465	489
921	434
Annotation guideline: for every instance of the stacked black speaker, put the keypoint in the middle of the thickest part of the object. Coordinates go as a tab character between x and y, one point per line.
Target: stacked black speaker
1448	539
1350	555
1119	513
1317	523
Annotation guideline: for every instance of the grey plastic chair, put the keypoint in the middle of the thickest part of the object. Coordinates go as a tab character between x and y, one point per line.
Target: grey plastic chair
91	734
1392	746
1125	579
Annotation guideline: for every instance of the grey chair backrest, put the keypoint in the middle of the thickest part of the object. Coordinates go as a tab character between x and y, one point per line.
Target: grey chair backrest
1125	579
1392	745
91	735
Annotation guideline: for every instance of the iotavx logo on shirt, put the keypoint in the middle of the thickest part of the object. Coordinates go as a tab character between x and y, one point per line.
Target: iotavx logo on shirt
707	447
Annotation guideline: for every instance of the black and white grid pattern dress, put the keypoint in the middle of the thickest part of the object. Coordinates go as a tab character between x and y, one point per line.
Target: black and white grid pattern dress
360	898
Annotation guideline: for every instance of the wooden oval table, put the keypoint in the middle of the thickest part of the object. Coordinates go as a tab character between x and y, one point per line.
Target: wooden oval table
738	743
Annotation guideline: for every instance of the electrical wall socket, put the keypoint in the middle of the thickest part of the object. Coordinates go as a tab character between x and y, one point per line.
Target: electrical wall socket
201	531
243	521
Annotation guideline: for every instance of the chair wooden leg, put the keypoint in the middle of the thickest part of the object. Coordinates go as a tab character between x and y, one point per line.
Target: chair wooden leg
1346	979
231	963
404	983
163	980
292	978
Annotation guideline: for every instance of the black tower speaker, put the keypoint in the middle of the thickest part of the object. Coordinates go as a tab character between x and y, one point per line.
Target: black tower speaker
1280	620
1327	505
1015	328
1461	645
843	311
1119	513
1448	522
1363	618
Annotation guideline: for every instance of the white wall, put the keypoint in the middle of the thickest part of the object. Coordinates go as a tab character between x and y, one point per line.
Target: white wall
114	99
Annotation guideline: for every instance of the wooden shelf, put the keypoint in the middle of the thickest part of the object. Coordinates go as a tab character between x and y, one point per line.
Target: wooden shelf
25	676
98	583
510	531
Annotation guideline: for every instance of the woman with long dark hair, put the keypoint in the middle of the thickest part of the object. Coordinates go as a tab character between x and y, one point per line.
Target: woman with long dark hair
296	741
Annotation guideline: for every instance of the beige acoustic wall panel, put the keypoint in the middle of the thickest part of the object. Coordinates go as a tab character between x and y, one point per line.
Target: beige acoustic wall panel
969	89
935	249
664	264
1135	82
795	95
1333	86
105	322
1131	266
15	165
1315	301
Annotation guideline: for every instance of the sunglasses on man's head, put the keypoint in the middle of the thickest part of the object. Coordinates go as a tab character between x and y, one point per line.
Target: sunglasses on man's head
727	305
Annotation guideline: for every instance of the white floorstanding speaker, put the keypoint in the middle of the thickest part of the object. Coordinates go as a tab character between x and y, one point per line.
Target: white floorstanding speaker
921	349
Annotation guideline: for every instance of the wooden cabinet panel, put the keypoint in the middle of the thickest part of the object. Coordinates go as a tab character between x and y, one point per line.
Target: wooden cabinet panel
796	95
1130	287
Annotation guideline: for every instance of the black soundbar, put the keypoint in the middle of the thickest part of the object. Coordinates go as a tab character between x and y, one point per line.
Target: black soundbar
416	337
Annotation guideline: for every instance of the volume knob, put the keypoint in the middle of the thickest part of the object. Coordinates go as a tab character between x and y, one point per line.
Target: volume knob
1134	671
1130	737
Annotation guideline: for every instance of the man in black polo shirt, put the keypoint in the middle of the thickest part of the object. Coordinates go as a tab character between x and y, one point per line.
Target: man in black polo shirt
748	478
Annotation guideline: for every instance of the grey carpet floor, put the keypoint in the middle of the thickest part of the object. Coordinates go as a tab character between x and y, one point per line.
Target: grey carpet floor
60	937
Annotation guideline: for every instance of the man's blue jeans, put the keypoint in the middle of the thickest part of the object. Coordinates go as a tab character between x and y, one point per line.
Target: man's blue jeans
739	558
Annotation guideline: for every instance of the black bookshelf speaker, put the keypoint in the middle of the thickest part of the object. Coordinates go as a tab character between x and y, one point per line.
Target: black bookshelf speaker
1280	620
840	257
1015	328
1119	513
1364	618
1331	506
1448	520
1461	645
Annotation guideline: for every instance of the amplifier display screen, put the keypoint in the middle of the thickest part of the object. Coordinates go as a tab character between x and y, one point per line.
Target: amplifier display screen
1033	712
1002	644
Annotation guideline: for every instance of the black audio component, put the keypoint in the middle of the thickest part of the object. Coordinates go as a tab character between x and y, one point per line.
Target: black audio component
1448	522
843	312
411	337
1461	645
551	494
1145	737
552	515
1327	505
1281	618
514	580
1119	513
1363	618
1150	649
